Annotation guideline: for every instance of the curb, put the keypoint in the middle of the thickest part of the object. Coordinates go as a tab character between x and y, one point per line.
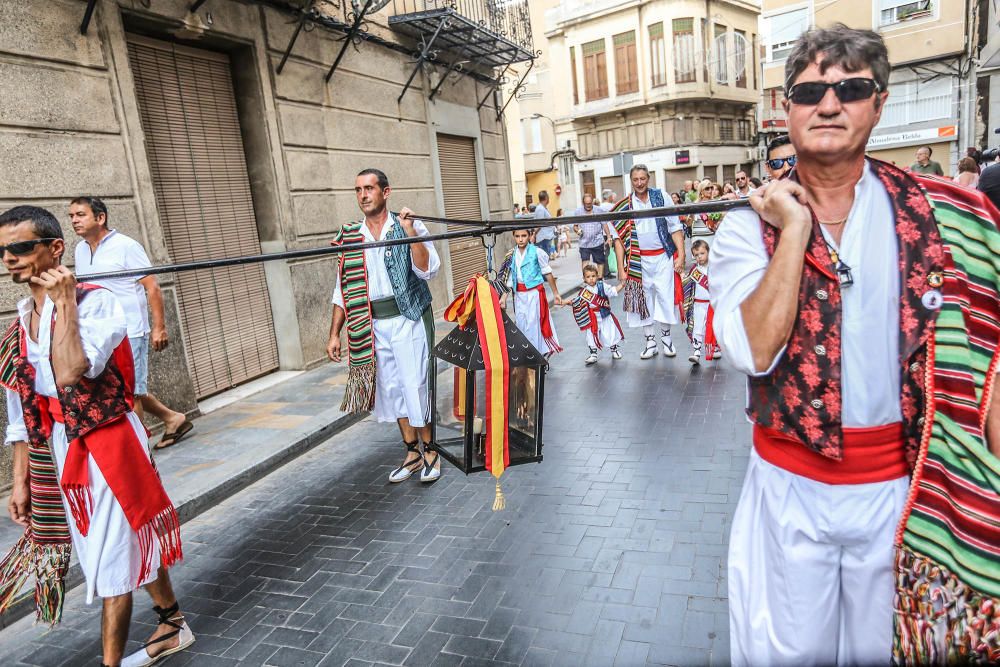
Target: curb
25	605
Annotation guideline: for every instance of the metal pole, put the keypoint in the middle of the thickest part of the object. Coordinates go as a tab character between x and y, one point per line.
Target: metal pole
347	40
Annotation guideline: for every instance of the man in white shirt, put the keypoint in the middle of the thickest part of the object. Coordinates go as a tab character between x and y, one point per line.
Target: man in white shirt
826	295
743	189
383	299
649	265
103	250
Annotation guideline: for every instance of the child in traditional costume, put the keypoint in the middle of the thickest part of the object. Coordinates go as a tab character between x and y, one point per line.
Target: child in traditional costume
592	310
523	272
697	309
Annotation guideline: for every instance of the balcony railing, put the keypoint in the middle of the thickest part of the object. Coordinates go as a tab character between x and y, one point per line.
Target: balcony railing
916	110
508	19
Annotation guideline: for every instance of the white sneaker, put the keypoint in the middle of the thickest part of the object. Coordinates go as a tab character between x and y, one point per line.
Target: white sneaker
592	359
650	350
668	347
141	658
616	353
695	358
717	355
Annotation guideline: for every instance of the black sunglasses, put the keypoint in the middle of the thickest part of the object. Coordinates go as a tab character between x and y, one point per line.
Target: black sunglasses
779	162
22	247
848	90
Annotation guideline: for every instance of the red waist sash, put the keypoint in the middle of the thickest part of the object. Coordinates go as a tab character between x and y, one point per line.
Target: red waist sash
873	454
652	252
543	315
701	301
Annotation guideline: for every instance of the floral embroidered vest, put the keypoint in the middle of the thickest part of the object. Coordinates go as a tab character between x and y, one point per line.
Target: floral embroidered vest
802	396
86	405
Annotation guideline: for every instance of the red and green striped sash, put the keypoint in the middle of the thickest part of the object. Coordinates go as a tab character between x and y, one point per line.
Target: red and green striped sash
359	395
947	605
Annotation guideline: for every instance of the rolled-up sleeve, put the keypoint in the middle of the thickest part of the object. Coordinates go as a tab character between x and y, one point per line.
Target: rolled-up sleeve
338	294
738	261
433	261
102	328
674	224
16	431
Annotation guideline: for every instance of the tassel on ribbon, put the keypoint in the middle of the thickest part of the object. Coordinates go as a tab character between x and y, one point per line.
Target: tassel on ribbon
481	298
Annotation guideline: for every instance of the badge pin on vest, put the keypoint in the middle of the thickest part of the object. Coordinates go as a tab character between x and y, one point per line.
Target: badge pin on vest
932	299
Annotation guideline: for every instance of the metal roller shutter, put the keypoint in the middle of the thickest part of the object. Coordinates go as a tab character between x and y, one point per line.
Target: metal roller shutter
189	116
460	181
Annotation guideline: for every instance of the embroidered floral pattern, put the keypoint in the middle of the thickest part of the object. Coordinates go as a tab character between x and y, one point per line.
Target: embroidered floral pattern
811	363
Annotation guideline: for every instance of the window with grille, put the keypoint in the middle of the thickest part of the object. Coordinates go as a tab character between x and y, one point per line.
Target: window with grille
595	70
684	51
572	69
896	11
720	55
725	129
740	48
657	55
783	30
626	65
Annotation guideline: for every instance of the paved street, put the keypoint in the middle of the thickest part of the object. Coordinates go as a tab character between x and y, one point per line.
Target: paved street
611	551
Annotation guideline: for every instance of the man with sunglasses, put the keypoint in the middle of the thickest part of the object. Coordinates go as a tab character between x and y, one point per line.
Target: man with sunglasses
82	472
924	163
780	157
825	295
743	188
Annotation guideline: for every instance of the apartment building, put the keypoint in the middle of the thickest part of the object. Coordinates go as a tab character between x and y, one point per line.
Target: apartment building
672	84
988	74
931	96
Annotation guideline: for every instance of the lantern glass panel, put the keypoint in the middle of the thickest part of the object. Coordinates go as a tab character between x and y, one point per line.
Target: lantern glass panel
450	411
523	439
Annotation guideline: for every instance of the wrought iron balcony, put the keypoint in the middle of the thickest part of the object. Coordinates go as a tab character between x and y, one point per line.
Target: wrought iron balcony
482	33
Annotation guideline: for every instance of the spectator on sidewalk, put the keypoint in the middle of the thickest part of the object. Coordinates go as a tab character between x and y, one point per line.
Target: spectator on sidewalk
593	236
102	250
924	164
989	183
968	173
384	300
743	189
544	236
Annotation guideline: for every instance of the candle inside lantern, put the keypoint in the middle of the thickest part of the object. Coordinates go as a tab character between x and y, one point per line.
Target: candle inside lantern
477	425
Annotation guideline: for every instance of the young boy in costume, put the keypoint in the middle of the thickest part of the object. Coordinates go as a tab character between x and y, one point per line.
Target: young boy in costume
523	272
592	310
698	311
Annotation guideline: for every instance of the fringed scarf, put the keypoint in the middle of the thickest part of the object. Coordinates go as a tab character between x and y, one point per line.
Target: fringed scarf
694	278
587	305
633	297
359	395
947	602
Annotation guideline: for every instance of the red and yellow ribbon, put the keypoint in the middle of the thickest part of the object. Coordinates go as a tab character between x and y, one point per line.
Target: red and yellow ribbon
481	299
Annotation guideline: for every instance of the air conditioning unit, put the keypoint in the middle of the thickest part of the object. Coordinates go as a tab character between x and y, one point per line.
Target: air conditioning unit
755	154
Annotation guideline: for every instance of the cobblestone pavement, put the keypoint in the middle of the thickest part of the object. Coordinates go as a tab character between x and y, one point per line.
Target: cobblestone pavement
611	551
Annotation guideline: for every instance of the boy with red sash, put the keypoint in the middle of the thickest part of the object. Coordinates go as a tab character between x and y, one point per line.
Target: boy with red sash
828	295
523	272
697	310
592	311
67	368
650	253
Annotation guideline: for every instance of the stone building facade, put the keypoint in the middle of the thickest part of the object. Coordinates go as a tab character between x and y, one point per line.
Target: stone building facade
153	88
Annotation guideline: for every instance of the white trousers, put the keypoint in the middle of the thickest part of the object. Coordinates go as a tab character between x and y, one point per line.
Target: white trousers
658	288
401	371
527	317
607	330
109	555
810	570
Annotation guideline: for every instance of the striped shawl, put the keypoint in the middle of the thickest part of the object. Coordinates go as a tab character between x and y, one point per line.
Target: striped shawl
947	602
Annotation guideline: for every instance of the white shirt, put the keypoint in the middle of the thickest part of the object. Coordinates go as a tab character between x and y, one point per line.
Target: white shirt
117	252
102	329
379	284
699	291
870	326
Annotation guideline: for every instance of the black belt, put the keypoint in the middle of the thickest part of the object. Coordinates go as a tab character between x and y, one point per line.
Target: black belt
384	309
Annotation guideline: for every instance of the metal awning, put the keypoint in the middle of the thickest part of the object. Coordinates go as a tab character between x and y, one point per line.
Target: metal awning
463	38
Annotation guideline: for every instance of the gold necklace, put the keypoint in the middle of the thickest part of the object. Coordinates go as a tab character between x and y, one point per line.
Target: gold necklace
833	223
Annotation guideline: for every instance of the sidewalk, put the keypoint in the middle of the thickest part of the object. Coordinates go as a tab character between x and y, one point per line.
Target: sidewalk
236	445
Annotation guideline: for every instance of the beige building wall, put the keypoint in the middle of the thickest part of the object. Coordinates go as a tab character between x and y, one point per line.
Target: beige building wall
69	125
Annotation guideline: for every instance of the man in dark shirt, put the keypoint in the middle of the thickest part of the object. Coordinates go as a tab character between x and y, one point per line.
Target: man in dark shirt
989	183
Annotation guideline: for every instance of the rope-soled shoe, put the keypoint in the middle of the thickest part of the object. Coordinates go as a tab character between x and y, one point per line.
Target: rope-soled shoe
405	471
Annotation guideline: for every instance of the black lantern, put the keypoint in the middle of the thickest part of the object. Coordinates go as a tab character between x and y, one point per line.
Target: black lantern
458	427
